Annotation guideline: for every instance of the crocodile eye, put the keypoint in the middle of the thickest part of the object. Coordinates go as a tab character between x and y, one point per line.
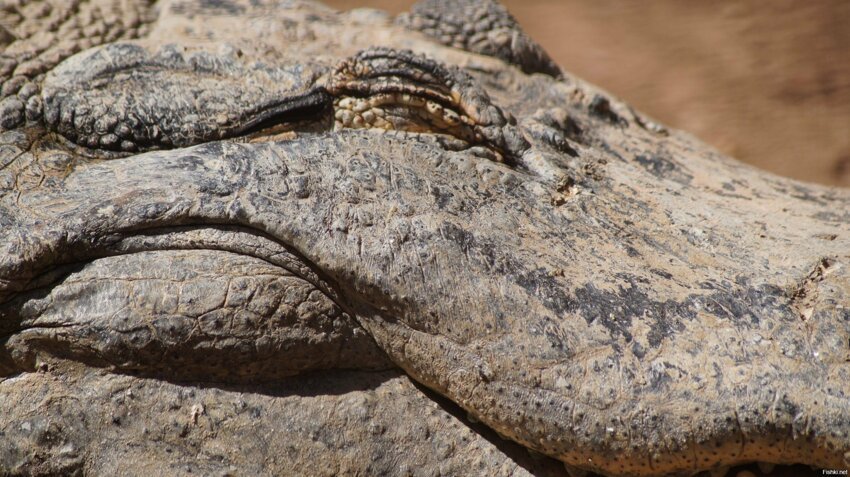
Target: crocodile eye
122	97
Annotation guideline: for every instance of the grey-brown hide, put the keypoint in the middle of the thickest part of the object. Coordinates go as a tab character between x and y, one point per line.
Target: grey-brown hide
108	98
616	296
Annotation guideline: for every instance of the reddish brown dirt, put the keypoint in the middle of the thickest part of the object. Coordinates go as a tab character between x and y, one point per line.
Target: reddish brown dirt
766	82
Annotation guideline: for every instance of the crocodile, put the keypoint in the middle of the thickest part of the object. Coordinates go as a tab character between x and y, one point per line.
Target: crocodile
267	237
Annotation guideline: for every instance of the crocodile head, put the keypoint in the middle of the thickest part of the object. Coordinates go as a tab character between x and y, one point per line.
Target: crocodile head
295	208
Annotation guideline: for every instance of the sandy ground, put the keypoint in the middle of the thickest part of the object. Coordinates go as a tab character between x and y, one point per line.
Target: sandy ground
766	82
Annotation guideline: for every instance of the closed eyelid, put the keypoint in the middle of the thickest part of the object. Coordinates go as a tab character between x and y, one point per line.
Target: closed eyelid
124	98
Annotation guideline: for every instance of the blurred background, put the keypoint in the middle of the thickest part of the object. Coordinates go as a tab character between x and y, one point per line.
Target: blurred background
765	81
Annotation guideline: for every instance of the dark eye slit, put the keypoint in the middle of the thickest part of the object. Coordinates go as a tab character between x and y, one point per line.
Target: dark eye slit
313	106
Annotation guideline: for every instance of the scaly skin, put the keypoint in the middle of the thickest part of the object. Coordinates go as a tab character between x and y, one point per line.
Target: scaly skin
316	210
36	35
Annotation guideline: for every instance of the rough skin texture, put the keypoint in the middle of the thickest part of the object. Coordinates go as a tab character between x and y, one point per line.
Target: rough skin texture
479	26
36	35
267	237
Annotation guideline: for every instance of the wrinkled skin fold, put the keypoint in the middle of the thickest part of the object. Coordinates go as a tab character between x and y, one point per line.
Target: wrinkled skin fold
254	237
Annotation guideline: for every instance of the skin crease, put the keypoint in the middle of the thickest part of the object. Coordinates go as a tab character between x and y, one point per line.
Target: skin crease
509	252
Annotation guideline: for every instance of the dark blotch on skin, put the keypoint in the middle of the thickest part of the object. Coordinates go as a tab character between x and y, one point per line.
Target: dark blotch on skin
615	311
663	168
600	107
